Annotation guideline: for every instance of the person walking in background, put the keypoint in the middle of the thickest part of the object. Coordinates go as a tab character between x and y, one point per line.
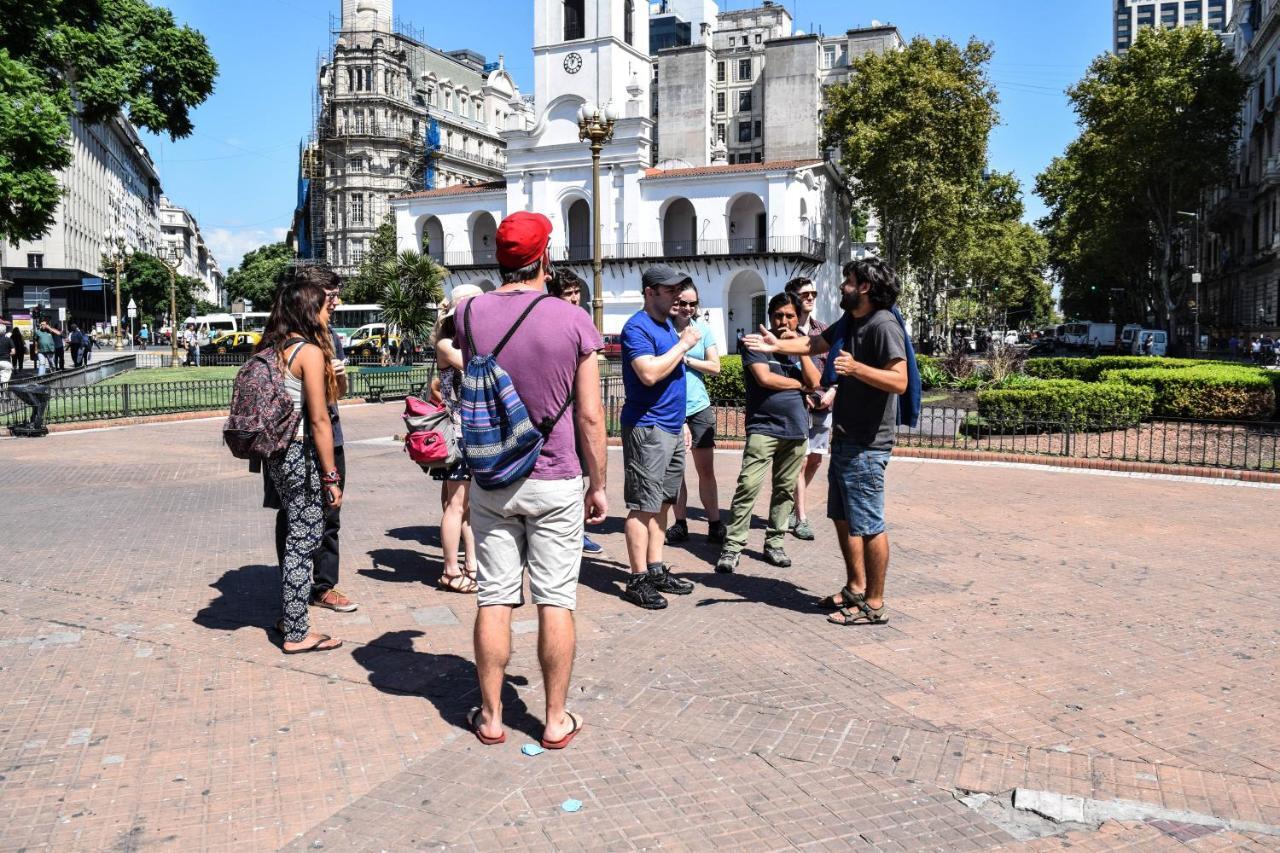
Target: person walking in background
777	437
653	379
699	420
19	348
297	333
76	342
871	366
535	522
44	347
455	482
563	284
59	361
6	355
819	404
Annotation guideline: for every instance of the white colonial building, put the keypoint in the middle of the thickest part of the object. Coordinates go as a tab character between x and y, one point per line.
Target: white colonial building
741	231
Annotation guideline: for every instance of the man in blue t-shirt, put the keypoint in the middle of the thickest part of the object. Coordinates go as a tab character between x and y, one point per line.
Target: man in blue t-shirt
652	419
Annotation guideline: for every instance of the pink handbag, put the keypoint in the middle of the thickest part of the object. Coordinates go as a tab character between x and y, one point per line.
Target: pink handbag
432	441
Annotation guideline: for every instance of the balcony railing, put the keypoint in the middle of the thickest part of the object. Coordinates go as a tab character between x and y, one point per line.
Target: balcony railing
472	157
803	247
374	130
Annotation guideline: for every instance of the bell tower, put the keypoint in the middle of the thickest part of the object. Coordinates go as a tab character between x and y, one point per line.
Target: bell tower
366	15
595	49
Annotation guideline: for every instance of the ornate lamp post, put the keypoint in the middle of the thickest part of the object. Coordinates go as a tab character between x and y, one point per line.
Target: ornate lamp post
595	126
116	254
172	257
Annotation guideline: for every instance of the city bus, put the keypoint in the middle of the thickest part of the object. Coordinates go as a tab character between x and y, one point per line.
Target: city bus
347	318
251	321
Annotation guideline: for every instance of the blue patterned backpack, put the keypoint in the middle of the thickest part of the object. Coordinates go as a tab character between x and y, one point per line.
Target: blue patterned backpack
499	441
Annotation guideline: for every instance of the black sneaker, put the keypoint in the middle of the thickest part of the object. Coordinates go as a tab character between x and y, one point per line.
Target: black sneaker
727	563
678	532
776	557
716	533
641	592
670	584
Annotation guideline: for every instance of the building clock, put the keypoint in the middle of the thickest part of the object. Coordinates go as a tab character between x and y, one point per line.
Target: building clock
573	63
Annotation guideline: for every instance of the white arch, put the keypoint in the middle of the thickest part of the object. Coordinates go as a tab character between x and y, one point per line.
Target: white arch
482	229
679	227
431	236
745	222
743	295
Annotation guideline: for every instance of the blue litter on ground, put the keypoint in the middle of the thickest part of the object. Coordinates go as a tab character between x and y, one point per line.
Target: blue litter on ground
571	805
532	749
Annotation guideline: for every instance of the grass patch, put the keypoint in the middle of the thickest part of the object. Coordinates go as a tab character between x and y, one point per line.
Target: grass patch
156	375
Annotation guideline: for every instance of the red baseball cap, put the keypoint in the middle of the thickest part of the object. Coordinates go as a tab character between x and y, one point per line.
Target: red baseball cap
522	238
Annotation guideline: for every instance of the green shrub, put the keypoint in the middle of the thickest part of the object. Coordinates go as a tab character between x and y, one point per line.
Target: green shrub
1091	369
729	384
1081	405
1209	391
931	374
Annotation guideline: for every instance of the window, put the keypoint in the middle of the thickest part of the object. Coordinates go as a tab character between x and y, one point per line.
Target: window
357	209
719	102
575	26
744	69
628	22
756	129
357	252
744	101
759	158
828	56
35	261
333	211
744	131
720	74
720	131
448	99
733	159
759	38
359	116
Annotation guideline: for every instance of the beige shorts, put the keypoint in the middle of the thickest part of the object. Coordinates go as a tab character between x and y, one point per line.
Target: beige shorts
535	524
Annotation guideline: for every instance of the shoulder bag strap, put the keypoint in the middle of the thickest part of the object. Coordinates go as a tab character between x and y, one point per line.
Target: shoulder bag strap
519	321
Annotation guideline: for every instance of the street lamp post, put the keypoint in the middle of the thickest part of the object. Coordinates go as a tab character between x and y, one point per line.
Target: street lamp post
116	253
595	126
1195	278
172	257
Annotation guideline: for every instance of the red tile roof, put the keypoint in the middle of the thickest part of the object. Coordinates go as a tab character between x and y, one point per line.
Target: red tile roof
458	189
727	169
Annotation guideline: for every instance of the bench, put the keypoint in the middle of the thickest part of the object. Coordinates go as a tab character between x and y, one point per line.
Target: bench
380	382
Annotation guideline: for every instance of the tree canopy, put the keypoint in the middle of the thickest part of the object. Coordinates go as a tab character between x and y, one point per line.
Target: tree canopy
91	57
145	280
1158	125
377	269
410	295
259	274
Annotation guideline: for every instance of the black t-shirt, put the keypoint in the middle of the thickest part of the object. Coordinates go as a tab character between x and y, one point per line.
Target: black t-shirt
338	352
6	347
780	414
864	415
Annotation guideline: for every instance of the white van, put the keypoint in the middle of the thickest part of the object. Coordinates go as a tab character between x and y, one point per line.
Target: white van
210	326
1159	341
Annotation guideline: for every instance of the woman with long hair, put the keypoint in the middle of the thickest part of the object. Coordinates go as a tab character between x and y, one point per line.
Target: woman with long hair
298	333
699	421
455	483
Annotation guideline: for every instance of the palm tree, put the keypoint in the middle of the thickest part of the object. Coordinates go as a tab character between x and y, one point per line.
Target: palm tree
413	289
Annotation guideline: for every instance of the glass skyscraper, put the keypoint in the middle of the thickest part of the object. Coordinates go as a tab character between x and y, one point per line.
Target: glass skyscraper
1133	15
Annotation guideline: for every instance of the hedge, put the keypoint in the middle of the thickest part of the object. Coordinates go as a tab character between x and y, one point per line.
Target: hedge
1207	391
729	384
1091	369
1068	402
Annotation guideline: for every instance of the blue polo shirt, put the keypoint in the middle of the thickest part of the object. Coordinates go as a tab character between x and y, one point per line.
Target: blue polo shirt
660	404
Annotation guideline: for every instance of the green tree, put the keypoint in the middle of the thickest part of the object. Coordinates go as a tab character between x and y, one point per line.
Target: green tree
145	280
377	270
409	300
912	128
91	57
1158	125
259	274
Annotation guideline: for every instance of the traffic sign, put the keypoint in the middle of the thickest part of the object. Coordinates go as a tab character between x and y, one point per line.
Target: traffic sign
91	283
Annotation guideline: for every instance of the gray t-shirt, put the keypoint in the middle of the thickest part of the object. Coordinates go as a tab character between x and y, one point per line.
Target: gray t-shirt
864	415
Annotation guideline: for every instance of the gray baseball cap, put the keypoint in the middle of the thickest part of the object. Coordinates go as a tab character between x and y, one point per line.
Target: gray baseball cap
663	276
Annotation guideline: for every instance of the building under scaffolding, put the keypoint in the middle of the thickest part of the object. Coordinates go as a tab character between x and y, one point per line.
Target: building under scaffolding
392	115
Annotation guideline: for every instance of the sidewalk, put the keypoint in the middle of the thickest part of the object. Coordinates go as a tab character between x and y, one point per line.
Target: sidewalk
1104	637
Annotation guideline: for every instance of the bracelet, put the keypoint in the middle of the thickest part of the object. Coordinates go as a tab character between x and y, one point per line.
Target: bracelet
333	478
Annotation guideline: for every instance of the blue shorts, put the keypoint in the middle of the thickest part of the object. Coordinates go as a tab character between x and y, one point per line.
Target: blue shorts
855	487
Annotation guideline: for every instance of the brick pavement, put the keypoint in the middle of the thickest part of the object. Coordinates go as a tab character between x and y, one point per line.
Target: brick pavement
1107	637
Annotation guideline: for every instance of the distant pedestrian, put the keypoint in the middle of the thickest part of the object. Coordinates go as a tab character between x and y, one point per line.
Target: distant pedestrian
699	420
6	355
563	284
144	336
298	335
1255	350
1148	343
19	348
777	437
86	352
871	364
535	523
59	348
653	378
819	403
75	342
45	346
456	533
1233	346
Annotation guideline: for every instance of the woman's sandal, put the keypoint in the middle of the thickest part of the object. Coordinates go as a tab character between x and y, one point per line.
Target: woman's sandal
844	598
317	646
866	615
462	583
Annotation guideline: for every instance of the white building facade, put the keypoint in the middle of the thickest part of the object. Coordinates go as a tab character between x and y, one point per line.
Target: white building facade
740	231
179	230
1132	15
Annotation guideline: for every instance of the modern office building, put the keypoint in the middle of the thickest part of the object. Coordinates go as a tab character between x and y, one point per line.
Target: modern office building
180	230
1132	15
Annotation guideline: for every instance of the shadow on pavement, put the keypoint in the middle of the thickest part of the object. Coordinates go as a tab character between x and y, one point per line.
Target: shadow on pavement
775	592
422	534
446	680
247	596
402	565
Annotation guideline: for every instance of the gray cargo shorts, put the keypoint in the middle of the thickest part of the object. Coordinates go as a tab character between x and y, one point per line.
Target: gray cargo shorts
653	461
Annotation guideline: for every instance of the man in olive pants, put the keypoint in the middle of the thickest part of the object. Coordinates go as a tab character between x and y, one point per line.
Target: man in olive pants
777	438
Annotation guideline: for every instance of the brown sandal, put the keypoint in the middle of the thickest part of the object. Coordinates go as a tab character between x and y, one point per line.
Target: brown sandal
462	583
844	598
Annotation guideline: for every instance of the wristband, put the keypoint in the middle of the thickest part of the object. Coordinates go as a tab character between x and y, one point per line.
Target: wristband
333	478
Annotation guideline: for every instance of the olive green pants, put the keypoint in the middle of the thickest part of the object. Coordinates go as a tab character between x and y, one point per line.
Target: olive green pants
785	455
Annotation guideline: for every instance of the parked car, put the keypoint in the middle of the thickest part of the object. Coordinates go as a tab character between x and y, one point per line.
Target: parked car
369	347
1159	341
232	342
613	346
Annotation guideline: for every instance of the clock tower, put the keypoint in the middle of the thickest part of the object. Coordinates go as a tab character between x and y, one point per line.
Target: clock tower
597	50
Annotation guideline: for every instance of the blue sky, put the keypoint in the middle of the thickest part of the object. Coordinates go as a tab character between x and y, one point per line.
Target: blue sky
237	172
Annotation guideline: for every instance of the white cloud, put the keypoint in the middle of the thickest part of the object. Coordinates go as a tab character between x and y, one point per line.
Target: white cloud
229	245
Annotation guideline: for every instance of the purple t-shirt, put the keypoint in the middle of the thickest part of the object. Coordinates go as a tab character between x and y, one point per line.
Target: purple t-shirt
542	361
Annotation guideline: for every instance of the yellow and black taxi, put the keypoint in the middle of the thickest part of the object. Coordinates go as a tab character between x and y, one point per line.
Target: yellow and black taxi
232	342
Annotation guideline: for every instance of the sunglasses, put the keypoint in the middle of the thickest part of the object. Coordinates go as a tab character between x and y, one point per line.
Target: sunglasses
680	303
808	294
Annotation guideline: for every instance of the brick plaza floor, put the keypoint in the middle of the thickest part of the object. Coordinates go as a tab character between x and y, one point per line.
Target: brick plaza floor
1105	637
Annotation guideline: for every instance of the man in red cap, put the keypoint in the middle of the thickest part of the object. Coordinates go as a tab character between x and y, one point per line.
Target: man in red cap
536	522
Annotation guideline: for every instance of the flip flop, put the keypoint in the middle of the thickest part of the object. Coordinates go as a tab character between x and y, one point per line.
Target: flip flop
473	723
317	646
564	741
